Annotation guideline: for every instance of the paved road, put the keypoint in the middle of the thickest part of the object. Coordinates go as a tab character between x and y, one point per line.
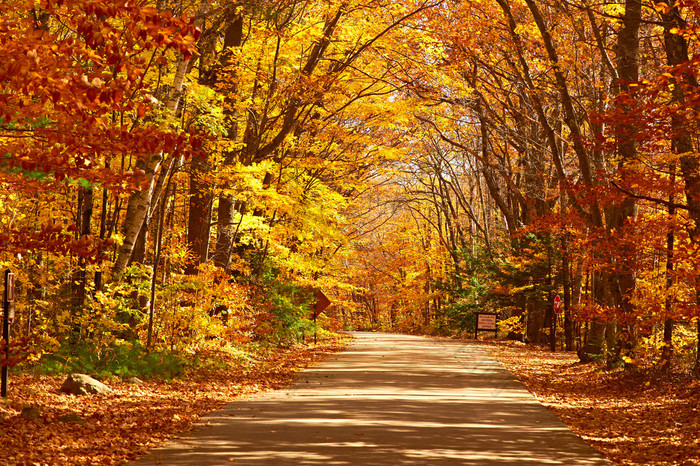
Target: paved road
388	400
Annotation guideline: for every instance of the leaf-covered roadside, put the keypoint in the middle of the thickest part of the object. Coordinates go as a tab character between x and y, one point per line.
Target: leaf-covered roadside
118	427
633	419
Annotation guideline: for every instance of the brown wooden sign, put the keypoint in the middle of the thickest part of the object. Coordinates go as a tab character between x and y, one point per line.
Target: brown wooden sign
322	302
486	322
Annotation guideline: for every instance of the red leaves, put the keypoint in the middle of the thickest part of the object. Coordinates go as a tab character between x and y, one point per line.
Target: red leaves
20	349
68	97
55	239
141	110
64	71
92	94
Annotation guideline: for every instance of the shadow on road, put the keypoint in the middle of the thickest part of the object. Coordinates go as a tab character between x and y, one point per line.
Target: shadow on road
388	400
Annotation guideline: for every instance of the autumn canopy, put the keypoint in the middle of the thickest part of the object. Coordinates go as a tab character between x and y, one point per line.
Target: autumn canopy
182	177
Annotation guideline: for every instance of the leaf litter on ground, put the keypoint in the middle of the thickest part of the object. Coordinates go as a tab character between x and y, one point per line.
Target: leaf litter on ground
633	418
111	429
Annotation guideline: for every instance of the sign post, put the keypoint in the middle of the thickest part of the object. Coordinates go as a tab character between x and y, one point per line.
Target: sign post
7	318
322	302
485	322
553	327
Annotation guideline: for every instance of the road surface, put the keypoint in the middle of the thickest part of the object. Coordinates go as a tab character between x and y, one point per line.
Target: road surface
387	400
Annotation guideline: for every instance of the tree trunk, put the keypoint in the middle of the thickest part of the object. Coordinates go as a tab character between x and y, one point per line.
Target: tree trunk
566	283
103	232
85	208
427	291
183	66
199	216
667	350
136	213
138	255
594	345
676	54
225	228
551	315
154	277
622	283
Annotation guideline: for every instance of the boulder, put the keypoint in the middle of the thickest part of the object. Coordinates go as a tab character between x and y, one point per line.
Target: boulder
81	384
134	381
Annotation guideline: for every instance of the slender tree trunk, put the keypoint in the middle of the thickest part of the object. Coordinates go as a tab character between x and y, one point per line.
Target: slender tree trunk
565	277
183	66
667	350
550	304
103	232
136	213
176	92
85	208
154	276
427	291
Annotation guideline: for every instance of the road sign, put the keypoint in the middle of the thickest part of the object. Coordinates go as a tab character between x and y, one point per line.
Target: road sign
557	304
487	322
322	302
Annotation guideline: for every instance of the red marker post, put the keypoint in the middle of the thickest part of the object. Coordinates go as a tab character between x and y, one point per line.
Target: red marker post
555	318
553	324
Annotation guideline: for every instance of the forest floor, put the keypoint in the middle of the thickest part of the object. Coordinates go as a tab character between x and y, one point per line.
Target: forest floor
637	418
111	429
633	419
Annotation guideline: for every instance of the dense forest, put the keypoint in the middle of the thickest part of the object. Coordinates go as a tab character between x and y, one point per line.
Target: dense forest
182	176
